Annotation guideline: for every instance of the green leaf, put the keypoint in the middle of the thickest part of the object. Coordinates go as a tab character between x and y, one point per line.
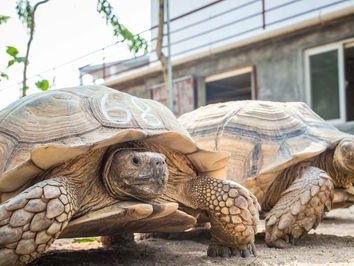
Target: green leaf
12	51
42	84
106	9
3	19
86	240
11	62
4	75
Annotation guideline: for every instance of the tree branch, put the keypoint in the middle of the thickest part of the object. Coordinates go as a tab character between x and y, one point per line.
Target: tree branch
31	27
159	53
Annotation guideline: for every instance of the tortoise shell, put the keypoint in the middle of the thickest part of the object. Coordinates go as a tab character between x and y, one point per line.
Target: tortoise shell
42	130
263	137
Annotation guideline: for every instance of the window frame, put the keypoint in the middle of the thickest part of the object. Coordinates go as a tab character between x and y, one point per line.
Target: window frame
236	72
339	46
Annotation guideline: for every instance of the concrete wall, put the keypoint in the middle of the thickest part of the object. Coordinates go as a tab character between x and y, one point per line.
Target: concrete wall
279	63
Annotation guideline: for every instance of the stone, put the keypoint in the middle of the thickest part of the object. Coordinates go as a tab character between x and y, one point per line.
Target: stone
20	218
40	222
54	208
34	193
35	205
25	247
51	192
9	235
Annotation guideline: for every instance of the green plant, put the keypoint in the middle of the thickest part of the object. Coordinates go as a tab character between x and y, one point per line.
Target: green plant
135	42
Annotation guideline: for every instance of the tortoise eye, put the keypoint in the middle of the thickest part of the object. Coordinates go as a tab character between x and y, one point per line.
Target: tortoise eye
135	160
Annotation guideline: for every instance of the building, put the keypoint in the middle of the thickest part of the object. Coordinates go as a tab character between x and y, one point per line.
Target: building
278	50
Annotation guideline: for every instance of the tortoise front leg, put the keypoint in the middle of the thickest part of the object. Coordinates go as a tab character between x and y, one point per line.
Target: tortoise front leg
300	207
233	212
31	221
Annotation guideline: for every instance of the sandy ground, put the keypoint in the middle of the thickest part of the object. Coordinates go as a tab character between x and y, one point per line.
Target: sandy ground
332	243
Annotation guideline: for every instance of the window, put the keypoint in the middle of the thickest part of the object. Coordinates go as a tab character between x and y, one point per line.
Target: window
230	86
184	95
330	81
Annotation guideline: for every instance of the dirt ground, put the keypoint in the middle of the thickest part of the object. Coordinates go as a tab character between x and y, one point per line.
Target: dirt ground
331	243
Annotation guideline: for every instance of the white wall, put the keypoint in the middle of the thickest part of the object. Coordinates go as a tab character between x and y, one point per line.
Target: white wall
220	30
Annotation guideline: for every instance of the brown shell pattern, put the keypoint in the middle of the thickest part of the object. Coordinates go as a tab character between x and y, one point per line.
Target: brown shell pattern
263	137
41	130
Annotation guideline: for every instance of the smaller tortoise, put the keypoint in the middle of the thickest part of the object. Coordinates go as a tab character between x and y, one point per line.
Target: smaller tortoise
284	153
80	162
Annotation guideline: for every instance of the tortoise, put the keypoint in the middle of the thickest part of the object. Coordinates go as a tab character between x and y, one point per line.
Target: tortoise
295	163
92	161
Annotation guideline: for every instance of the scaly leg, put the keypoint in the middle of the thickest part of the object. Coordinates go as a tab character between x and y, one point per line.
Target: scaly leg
31	221
300	207
233	212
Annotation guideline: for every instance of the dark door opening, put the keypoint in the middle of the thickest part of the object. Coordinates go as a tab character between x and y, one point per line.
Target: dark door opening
349	81
229	89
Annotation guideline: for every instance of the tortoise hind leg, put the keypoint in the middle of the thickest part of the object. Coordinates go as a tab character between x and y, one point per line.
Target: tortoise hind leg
31	221
300	207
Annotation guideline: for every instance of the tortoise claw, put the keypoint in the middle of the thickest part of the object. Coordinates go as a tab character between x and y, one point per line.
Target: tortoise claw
226	252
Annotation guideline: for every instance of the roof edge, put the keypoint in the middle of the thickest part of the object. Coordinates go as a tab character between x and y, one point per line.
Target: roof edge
147	70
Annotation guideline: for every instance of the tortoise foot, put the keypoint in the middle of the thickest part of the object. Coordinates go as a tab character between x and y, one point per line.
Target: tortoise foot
32	220
300	207
279	243
225	252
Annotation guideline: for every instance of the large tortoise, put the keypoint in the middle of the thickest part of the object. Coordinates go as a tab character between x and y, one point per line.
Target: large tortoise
285	154
81	162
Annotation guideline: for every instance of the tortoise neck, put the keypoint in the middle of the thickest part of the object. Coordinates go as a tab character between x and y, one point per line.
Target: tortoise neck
180	168
326	162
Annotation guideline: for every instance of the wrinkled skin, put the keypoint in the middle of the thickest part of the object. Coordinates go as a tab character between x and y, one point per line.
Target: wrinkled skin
32	220
140	174
313	186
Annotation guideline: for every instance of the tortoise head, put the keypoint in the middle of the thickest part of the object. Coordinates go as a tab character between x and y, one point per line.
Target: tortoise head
344	154
137	173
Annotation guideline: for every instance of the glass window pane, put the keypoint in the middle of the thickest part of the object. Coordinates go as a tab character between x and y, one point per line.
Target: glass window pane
325	85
